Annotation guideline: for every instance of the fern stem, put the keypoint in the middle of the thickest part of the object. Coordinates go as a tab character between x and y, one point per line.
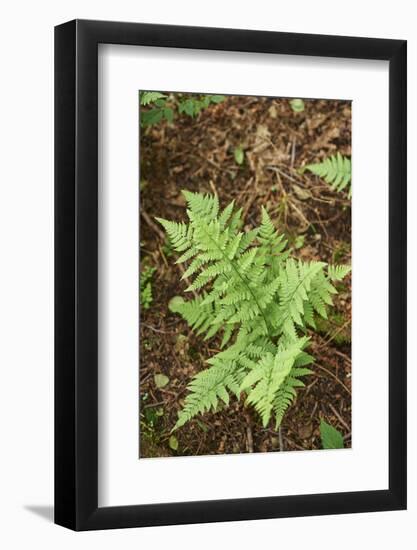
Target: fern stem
249	436
281	442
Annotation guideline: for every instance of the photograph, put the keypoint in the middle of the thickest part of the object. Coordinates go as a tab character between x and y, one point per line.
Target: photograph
208	275
245	274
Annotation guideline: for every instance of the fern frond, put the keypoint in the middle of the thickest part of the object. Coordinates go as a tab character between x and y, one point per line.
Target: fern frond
200	317
218	257
150	97
335	170
287	392
268	235
263	382
321	294
206	389
225	215
295	284
338	272
205	206
180	234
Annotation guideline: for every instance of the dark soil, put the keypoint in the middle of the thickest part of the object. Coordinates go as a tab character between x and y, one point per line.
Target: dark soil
198	155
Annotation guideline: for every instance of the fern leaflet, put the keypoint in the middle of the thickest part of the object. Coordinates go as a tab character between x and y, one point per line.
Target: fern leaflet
335	170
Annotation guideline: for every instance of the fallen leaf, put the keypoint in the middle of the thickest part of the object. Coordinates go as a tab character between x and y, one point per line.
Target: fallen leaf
173	443
297	105
161	380
239	155
275	442
273	111
302	194
330	437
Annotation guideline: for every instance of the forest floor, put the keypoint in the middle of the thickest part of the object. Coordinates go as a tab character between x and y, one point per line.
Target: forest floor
198	154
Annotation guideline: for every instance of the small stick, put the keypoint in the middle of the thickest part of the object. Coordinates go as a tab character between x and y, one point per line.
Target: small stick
281	442
295	444
300	214
314	409
152	225
329	220
213	188
339	417
333	336
346	357
156	329
321	223
249	437
276	169
280	183
168	392
335	377
310	386
293	152
334	350
163	256
150	405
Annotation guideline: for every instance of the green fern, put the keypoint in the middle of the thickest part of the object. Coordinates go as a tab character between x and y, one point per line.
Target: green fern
164	108
193	105
259	299
146	286
199	315
331	438
206	389
287	392
150	97
335	170
338	272
266	378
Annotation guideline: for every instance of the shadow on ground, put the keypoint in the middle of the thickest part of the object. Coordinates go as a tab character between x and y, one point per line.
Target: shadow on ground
45	512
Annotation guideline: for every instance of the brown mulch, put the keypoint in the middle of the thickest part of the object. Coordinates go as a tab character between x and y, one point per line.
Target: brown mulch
197	154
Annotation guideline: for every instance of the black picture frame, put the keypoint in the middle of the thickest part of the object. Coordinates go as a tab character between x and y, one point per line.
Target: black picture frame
76	272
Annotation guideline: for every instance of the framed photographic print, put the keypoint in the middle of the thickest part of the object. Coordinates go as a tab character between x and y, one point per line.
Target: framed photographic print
230	275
